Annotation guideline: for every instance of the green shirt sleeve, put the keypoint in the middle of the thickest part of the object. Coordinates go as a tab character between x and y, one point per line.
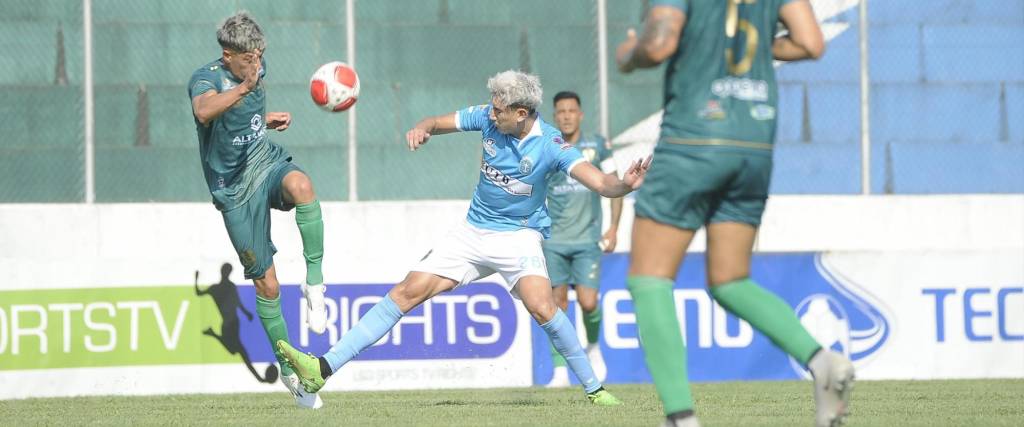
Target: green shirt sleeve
202	81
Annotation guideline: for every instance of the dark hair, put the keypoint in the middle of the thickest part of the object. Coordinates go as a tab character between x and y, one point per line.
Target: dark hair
567	94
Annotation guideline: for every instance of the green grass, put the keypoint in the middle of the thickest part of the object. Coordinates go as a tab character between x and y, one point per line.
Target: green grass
881	403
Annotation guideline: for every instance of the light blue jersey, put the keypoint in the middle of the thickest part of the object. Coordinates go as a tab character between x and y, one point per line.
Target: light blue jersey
514	172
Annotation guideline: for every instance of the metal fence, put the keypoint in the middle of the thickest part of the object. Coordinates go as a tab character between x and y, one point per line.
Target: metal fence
936	86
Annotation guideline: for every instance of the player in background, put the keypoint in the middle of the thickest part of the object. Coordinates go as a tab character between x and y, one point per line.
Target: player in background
502	232
712	168
248	175
573	252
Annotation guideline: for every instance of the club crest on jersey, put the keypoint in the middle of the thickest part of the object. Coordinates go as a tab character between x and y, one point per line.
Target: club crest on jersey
589	154
489	147
526	166
256	123
227	84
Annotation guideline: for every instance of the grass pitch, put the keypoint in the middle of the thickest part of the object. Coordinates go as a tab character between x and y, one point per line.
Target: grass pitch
878	403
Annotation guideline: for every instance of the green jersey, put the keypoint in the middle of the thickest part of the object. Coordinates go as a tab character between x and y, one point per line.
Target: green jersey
720	84
575	211
235	150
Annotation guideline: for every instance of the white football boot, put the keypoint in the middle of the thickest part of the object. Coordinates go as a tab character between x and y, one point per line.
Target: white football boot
690	421
315	306
833	383
302	398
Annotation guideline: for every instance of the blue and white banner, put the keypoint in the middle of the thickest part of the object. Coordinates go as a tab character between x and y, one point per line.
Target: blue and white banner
473	336
885	311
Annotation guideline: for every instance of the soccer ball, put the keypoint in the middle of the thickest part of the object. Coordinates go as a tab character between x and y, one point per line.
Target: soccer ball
334	86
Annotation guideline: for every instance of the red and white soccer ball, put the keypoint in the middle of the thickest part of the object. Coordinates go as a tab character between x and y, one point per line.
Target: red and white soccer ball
334	86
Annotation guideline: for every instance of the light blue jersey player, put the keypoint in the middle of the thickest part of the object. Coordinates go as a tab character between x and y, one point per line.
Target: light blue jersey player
502	233
514	171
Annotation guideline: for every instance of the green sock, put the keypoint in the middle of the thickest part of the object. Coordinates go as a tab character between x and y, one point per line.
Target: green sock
661	340
769	314
592	323
311	228
269	311
556	357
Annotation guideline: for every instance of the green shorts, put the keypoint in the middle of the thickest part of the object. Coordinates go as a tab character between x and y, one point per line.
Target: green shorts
573	264
688	187
249	224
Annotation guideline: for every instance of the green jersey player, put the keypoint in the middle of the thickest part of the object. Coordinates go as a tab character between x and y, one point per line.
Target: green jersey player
248	175
711	169
573	252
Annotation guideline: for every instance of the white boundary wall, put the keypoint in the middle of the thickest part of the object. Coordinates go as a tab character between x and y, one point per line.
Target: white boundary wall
953	242
77	245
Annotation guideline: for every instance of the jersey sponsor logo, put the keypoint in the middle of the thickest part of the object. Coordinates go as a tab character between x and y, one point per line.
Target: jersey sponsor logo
712	111
489	147
256	124
740	88
511	185
762	112
526	165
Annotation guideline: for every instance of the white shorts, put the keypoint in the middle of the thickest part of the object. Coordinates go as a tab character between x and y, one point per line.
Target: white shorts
468	253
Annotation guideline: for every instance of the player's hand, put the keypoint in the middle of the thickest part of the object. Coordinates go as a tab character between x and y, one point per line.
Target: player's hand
250	70
416	137
624	53
634	177
279	120
609	240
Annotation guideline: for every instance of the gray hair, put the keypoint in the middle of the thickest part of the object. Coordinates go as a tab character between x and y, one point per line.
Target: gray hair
241	33
516	88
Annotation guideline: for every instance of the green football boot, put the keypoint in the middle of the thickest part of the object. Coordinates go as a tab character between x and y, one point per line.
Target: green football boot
602	397
306	366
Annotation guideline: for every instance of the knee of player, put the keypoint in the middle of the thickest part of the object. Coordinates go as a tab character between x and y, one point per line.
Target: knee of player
543	311
267	289
407	295
301	188
588	304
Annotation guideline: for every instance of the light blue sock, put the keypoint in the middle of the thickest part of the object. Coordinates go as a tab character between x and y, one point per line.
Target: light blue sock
564	338
377	322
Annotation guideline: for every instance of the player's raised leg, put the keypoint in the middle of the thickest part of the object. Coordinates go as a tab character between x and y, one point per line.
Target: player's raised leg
535	292
298	190
403	297
729	251
268	308
657	250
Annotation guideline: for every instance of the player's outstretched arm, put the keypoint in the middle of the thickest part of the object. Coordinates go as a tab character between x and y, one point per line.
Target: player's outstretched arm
211	104
804	40
435	125
657	43
609	184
